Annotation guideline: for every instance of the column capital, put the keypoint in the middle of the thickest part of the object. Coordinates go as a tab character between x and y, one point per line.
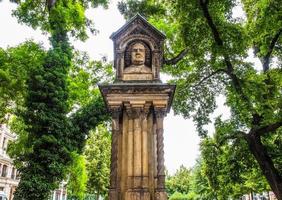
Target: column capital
160	112
133	112
115	112
145	111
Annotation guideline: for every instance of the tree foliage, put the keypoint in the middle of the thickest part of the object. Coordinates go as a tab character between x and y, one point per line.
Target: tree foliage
16	64
53	128
179	182
37	14
77	181
216	45
233	171
200	189
97	153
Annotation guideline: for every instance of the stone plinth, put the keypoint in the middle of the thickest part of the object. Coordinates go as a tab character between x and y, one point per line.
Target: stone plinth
137	161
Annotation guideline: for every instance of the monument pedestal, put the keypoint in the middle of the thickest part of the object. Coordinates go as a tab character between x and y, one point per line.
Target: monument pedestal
160	195
137	194
137	165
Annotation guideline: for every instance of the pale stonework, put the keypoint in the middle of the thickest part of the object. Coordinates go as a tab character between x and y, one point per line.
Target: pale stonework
138	102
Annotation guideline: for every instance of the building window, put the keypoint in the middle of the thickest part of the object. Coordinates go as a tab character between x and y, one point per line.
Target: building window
4	143
18	175
1	188
57	195
13	173
4	171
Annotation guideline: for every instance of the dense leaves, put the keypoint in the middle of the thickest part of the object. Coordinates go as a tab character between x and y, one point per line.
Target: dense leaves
179	182
97	153
190	184
37	15
51	125
232	172
16	65
76	185
217	42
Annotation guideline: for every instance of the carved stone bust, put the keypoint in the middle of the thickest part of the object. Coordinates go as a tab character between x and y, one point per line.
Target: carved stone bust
138	60
138	51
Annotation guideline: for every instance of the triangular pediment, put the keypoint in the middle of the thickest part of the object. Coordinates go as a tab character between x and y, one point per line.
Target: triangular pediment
138	25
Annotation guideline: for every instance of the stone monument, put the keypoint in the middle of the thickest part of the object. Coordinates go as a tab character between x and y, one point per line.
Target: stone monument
138	102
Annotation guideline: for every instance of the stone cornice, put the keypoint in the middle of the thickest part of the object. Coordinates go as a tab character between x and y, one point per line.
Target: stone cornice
117	94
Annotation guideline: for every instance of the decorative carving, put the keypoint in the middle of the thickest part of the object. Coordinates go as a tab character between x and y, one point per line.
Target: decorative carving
138	31
160	112
113	194
145	111
116	112
137	89
160	195
133	113
137	58
140	101
160	158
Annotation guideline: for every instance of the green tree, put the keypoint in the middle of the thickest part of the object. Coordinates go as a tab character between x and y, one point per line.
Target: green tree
53	132
232	172
179	182
178	196
16	63
77	181
199	184
97	153
216	45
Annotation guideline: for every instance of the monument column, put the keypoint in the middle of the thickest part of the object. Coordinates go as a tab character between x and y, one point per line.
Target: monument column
160	194
145	146
115	112
138	102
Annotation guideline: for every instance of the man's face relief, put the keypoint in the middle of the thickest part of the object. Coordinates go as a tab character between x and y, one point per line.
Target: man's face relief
138	54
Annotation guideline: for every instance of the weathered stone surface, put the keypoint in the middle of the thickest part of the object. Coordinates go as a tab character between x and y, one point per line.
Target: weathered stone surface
160	195
137	195
138	102
138	31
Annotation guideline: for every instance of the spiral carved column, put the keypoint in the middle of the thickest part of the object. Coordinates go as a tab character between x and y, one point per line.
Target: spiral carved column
160	191
113	193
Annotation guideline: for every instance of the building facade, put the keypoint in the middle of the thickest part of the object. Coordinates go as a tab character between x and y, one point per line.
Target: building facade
60	193
9	178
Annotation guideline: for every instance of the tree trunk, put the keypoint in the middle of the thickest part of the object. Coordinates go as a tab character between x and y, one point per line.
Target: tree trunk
265	163
251	196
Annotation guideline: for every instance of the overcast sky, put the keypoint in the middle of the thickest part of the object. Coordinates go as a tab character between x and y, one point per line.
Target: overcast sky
181	140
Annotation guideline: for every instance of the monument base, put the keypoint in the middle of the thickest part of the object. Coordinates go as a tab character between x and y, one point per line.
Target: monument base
113	194
160	195
137	194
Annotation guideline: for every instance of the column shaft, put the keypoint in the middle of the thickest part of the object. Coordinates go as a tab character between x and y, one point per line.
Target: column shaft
130	152
145	150
160	113
113	194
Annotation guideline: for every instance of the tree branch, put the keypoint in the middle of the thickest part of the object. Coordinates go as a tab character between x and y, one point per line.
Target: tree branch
50	4
216	35
218	40
209	76
177	58
266	129
266	58
85	119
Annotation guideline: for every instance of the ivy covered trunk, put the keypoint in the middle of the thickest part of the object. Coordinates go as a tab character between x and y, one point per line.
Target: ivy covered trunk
46	118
